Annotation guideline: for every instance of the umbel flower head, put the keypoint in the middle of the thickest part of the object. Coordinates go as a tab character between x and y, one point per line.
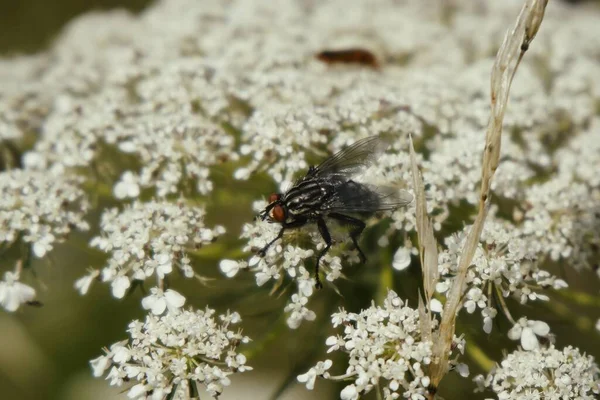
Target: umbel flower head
385	349
40	208
504	265
174	353
544	373
148	239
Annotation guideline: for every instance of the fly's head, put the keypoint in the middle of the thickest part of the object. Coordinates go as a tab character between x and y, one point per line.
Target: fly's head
276	211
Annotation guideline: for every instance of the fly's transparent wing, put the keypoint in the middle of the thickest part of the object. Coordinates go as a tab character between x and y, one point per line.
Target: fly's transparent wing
355	197
351	160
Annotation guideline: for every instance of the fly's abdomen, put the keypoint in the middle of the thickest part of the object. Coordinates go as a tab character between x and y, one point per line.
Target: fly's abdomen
307	197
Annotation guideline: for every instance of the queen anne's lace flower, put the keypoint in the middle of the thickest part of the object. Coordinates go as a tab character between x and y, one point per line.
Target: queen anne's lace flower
504	265
41	208
171	353
152	238
544	373
385	349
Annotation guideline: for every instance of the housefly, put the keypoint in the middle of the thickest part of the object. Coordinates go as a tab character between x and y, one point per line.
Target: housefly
329	192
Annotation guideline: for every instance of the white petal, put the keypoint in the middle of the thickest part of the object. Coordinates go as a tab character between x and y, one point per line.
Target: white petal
528	340
436	306
515	332
463	370
349	393
487	325
99	365
229	267
120	286
401	259
138	391
174	299
540	328
159	306
25	293
39	249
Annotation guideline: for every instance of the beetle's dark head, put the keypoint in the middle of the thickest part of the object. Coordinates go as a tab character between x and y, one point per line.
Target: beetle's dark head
276	211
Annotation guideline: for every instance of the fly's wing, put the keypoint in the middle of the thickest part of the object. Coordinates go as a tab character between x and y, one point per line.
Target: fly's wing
355	197
351	160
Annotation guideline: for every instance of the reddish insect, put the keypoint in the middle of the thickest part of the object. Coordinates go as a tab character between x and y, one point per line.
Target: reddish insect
348	56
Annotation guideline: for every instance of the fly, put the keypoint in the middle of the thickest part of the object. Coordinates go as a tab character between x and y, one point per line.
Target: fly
328	192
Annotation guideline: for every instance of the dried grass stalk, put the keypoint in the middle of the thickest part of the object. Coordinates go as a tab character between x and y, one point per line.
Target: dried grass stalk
508	58
428	251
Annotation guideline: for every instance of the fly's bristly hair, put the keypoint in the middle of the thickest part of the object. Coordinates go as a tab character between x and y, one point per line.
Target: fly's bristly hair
328	191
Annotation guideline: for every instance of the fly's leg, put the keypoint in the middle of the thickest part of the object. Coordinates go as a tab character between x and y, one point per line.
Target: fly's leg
262	252
327	237
294	224
358	227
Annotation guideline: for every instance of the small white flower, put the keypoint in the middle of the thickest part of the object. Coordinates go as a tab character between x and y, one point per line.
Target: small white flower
159	301
229	267
527	332
319	370
14	293
349	393
119	286
83	284
127	187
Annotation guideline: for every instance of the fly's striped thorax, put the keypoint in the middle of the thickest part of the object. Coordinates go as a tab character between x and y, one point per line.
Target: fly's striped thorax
307	196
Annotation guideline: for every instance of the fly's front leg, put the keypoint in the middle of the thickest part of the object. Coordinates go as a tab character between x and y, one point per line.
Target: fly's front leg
327	237
294	224
358	227
262	252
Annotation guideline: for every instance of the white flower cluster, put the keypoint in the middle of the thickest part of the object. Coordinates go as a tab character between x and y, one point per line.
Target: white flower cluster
562	214
545	373
174	353
385	350
147	239
504	265
40	208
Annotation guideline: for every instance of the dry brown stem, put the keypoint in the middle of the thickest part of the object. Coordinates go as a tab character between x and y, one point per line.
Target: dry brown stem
508	58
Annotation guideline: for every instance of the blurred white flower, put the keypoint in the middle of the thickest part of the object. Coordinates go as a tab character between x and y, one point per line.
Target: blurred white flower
527	332
127	187
14	293
83	284
40	207
401	259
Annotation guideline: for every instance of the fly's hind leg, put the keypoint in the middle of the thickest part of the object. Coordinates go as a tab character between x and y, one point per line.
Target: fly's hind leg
327	237
358	227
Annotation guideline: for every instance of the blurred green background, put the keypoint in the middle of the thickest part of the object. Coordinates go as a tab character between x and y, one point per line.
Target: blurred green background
45	351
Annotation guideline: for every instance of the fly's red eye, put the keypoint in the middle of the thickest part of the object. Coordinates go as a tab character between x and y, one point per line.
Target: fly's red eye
278	214
274	197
